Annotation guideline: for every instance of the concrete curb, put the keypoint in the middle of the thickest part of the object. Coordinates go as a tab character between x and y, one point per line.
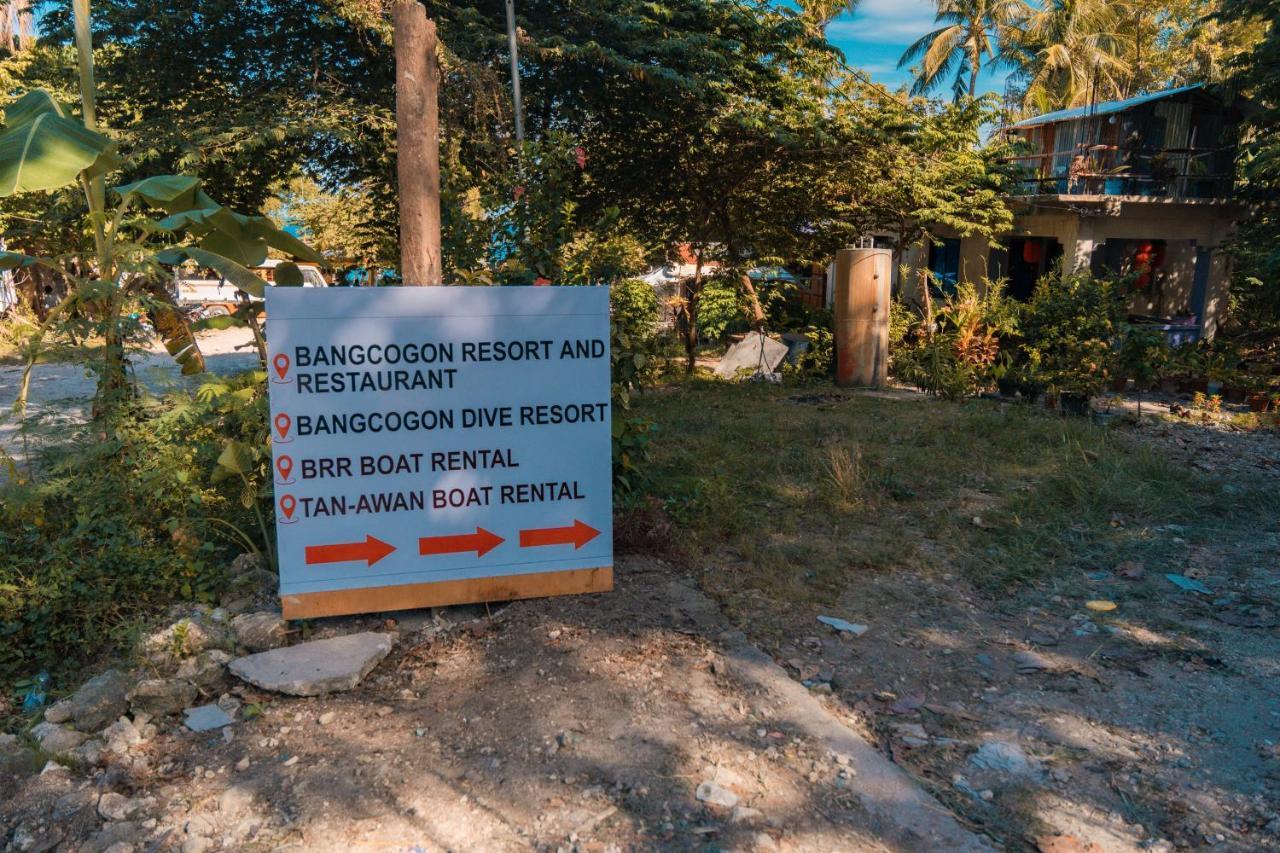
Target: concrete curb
903	811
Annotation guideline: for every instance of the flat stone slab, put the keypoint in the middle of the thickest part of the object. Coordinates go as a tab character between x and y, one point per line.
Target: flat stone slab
757	353
207	718
317	667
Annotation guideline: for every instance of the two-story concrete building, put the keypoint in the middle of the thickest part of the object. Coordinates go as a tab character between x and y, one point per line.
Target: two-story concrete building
1139	186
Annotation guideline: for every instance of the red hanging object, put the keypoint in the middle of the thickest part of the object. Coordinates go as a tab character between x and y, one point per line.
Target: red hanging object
1031	251
1144	260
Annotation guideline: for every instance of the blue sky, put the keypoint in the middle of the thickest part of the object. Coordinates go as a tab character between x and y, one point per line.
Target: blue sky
874	36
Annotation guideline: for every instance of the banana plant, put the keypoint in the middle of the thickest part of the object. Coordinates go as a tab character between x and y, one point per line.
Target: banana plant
140	229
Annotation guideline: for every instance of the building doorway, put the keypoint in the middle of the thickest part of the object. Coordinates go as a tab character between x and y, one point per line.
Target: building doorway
1023	261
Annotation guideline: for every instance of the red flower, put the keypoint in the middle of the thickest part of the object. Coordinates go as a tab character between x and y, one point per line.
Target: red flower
580	155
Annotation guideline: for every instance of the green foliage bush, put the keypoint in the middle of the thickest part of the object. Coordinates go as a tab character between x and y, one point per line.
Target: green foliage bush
634	308
1141	355
117	526
953	351
818	360
634	350
1068	330
721	309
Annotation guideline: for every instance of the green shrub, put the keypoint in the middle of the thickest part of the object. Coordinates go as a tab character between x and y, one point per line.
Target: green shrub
634	308
115	527
818	360
1141	355
1068	330
955	353
721	309
634	360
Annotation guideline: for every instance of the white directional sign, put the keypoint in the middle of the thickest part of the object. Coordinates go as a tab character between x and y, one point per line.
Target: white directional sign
439	444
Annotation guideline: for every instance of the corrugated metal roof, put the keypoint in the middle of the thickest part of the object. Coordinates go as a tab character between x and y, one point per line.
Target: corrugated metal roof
1105	108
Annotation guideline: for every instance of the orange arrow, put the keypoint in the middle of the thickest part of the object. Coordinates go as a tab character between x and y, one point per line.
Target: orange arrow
371	550
482	542
577	536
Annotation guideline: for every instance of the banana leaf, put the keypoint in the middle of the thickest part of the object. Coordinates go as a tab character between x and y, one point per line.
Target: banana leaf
173	193
288	275
44	150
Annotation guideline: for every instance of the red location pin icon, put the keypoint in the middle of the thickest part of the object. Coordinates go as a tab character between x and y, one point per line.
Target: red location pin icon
281	364
283	424
288	503
285	466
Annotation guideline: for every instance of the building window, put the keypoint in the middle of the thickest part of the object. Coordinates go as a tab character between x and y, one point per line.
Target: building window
944	262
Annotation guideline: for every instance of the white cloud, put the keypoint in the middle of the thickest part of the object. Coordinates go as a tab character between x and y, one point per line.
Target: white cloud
885	21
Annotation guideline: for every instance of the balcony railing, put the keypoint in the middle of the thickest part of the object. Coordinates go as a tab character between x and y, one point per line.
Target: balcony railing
1179	173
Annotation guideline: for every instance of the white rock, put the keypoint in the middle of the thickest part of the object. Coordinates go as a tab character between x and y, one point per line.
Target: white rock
197	844
317	667
100	700
90	752
182	639
57	740
259	632
114	806
160	696
763	841
121	735
236	800
58	712
1004	757
710	792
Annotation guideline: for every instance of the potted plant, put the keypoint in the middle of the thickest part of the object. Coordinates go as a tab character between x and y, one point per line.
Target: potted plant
1257	394
1140	356
1233	387
1171	372
1221	367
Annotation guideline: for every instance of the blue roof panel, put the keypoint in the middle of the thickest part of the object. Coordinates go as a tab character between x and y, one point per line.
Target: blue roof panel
1105	108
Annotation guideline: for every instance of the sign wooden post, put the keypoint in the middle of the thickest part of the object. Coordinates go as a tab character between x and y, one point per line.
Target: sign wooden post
439	445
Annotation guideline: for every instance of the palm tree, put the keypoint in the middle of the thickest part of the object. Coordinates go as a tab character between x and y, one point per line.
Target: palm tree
821	12
1069	53
967	42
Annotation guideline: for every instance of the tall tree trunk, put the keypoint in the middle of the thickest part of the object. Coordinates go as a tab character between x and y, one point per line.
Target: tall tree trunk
418	143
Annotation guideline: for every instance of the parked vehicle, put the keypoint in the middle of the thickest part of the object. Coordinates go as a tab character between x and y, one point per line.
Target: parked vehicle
203	293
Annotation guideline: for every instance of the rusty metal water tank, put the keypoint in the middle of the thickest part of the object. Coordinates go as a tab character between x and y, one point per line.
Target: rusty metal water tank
862	316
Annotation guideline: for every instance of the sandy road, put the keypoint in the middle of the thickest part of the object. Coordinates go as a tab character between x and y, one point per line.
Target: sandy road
61	391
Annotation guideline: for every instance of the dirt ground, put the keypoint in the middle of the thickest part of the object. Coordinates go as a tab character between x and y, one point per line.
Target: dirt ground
1151	724
562	724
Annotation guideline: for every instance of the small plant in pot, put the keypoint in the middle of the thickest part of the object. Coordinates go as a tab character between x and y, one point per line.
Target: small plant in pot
1221	367
1234	389
1142	353
1258	395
